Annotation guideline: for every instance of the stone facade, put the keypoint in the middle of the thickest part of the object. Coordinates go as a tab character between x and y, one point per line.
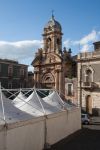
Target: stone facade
51	63
89	79
71	90
13	74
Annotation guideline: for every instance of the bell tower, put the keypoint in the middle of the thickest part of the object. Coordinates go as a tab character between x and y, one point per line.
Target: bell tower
48	62
52	37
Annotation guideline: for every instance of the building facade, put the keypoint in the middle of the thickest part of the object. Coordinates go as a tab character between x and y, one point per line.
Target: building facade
52	64
71	90
13	74
89	80
30	83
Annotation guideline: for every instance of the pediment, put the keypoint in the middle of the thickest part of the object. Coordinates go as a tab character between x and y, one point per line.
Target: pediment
50	58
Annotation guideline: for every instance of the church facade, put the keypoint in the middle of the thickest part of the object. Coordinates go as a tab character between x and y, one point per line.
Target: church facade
52	64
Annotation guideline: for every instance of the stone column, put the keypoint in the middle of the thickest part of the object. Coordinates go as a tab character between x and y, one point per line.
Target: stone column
57	81
61	84
35	79
79	72
38	81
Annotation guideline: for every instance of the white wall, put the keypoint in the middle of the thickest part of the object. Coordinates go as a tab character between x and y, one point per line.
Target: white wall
30	135
2	135
95	100
63	124
2	140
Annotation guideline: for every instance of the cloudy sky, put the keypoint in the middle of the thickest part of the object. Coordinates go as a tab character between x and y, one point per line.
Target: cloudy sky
22	23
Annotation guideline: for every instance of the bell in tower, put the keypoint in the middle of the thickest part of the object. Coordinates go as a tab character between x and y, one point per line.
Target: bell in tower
52	36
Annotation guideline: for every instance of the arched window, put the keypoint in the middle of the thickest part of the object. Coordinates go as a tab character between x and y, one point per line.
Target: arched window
49	44
58	43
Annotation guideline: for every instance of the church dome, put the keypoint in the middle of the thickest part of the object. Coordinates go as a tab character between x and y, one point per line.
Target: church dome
53	23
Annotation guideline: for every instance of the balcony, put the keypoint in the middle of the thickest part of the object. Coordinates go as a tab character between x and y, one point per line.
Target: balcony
90	85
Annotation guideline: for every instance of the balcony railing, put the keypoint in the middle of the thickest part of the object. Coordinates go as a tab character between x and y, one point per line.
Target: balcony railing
90	85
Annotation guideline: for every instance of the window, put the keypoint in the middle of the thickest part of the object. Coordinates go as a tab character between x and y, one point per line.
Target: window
49	43
22	72
88	76
10	85
69	89
58	42
10	70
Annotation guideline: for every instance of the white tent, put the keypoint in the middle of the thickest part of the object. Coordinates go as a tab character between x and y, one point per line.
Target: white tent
36	106
35	122
55	100
19	100
18	128
10	113
25	104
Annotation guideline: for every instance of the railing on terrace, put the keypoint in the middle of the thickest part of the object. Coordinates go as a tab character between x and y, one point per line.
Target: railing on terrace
90	85
87	55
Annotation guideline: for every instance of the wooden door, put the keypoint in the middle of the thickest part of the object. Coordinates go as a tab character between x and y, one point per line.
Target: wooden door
89	104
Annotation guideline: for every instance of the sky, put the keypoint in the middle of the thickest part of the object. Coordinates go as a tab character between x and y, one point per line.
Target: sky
22	23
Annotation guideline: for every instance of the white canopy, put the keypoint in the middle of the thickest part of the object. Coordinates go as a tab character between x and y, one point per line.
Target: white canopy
37	106
24	104
43	120
19	100
55	100
9	113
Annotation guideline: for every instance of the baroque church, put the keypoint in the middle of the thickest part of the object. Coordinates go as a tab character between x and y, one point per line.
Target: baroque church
52	64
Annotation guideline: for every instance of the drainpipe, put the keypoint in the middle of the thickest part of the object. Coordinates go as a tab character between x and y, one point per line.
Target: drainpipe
81	85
